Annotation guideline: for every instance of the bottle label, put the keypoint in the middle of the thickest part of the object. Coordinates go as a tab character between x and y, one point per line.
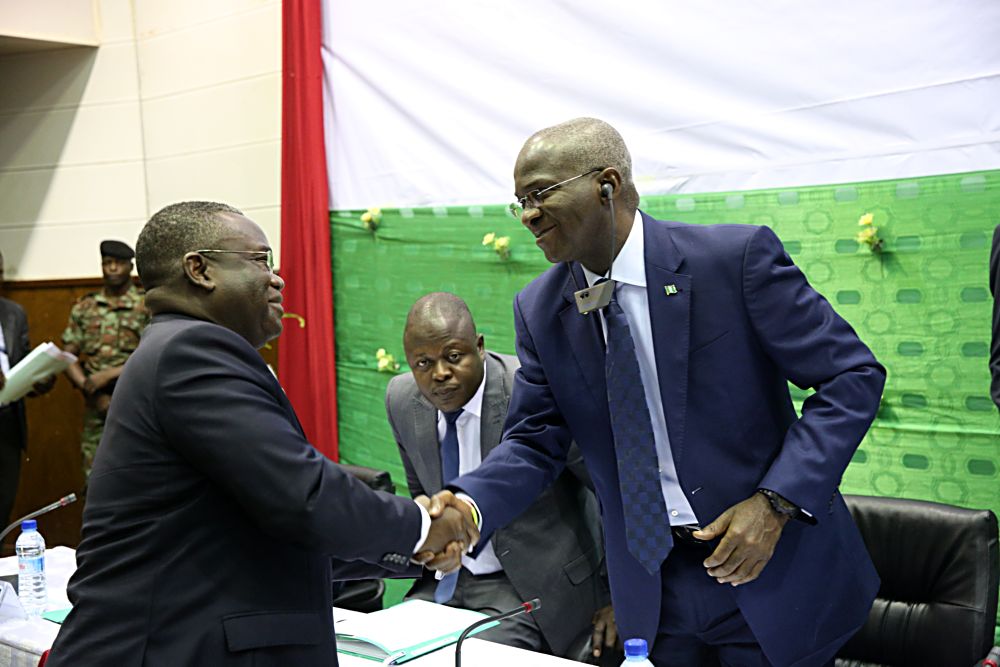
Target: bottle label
30	566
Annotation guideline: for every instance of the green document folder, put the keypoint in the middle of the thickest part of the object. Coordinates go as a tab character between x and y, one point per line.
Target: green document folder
404	632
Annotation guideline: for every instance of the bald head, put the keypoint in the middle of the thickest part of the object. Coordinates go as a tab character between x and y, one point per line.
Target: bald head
581	144
443	350
441	311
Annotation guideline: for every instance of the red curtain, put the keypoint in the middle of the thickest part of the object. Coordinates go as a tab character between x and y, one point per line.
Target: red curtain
306	358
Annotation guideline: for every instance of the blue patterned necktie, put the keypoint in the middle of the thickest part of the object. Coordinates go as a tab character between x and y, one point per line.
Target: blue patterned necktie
449	471
647	525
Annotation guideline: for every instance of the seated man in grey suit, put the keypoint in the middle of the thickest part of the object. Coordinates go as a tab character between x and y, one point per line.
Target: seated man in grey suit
446	416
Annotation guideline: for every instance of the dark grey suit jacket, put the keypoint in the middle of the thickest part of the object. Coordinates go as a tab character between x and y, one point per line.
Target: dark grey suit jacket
15	334
554	550
211	522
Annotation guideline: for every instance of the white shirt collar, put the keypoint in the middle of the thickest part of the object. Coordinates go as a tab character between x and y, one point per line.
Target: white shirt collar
474	406
630	264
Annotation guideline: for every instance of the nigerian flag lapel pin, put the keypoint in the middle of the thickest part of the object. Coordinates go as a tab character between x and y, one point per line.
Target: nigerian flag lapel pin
670	290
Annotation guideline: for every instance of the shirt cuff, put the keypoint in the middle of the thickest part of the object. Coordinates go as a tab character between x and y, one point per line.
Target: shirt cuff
425	526
479	515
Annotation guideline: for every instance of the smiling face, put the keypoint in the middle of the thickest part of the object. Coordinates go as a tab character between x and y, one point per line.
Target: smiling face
247	294
571	224
446	356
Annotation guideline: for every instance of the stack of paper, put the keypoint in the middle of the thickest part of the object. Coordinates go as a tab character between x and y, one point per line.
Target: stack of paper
404	632
43	361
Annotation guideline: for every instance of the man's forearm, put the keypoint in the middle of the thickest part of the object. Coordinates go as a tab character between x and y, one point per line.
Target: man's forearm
76	376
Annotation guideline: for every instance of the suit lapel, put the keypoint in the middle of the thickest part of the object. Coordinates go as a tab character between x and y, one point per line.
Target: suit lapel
286	404
496	396
670	316
585	339
426	452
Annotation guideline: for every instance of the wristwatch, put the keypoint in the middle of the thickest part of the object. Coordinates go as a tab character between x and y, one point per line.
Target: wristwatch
779	504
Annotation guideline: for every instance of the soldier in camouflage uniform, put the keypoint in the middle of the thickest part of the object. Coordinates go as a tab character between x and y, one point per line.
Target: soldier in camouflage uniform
103	330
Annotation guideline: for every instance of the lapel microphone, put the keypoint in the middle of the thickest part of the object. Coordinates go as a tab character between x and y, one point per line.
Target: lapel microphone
589	299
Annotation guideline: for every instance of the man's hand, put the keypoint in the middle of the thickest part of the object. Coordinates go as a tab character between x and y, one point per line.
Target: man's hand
98	381
605	630
444	499
749	531
43	386
101	403
446	541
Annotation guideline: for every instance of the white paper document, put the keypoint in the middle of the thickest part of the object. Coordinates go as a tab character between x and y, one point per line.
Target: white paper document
43	361
404	632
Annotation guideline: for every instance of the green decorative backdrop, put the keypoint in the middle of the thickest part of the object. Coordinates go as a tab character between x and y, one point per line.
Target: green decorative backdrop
923	307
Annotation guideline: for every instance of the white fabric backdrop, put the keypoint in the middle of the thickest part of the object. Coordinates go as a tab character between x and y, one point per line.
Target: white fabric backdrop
427	103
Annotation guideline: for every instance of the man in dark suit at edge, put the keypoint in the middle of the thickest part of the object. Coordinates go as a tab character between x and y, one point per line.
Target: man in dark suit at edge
676	393
14	346
211	522
446	416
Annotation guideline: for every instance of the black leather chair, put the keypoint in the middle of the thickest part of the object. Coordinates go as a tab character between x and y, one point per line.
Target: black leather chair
364	595
939	566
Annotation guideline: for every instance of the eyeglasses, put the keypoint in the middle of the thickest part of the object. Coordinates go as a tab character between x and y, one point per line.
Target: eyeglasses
266	255
534	198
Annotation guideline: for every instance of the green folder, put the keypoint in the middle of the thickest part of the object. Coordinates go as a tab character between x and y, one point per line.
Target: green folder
404	632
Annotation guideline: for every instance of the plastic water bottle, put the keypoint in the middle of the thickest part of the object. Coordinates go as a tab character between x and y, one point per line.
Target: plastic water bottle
636	653
31	588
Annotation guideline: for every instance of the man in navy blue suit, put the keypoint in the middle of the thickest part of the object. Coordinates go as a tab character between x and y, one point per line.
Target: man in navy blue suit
744	552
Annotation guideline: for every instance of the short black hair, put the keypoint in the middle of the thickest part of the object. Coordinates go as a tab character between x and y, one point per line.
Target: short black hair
174	231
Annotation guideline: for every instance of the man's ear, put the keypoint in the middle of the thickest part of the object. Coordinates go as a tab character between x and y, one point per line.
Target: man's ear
196	271
481	346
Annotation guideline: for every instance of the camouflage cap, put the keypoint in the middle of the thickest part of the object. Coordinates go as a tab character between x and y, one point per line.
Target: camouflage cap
116	249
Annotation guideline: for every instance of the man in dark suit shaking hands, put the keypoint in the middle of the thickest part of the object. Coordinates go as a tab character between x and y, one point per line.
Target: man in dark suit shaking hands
211	523
727	539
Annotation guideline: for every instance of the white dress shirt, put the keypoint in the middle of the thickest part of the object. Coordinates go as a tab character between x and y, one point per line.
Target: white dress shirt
629	271
470	455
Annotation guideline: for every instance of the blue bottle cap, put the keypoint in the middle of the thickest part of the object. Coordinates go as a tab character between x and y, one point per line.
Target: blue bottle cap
636	648
29	525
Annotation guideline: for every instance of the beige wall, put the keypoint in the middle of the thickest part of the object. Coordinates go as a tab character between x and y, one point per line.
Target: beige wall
181	100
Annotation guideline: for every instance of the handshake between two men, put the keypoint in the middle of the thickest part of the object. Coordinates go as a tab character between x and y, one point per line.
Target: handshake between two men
454	531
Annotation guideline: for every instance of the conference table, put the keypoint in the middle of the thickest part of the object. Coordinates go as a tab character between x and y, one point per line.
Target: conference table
22	642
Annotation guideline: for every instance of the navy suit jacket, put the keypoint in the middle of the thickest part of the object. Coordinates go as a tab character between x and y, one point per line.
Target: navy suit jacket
743	322
211	523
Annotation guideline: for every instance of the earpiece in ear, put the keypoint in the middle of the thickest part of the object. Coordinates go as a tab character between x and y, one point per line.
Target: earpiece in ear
607	189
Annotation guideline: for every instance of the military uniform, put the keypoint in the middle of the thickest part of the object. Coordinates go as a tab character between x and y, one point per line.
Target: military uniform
105	329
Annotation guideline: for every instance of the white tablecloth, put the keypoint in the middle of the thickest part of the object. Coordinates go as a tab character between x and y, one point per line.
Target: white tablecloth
23	642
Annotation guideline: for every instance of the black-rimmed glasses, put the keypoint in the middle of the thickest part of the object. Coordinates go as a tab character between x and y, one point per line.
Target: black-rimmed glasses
534	198
266	255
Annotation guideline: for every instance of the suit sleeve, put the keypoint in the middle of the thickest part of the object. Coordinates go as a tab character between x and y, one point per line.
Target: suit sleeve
814	347
412	481
534	448
218	406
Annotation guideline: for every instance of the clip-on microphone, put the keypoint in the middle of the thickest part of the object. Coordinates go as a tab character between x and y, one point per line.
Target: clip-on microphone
594	298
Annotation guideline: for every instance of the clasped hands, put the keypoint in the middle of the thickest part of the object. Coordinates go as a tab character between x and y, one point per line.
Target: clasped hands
453	532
